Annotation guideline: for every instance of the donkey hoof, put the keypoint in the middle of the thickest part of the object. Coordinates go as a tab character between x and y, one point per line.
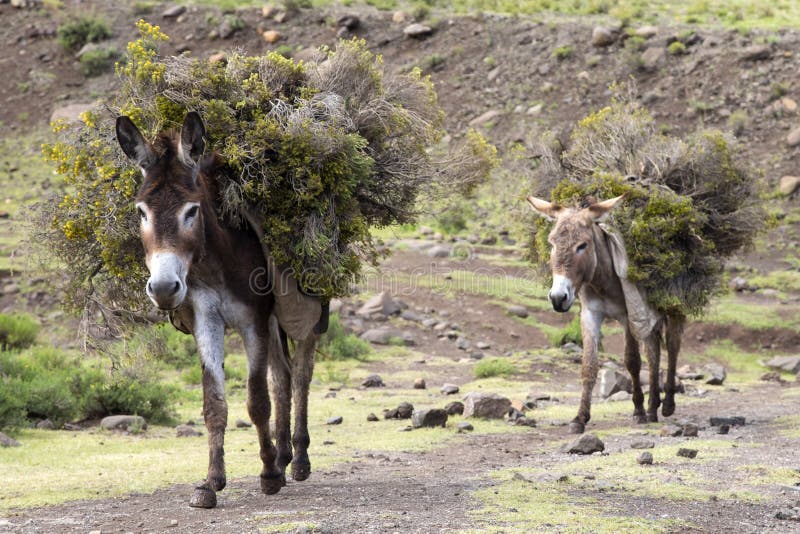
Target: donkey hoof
301	472
576	427
203	498
652	418
667	409
640	419
271	485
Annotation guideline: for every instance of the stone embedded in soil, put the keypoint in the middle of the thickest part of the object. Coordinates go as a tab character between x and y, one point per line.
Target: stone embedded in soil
186	431
435	417
45	424
788	515
372	418
645	458
717	374
335	420
611	381
449	389
487	405
439	251
586	444
652	58
404	410
173	12
789	184
464	426
272	36
463	343
381	336
123	422
523	421
790	364
690	430
687	453
603	36
518	311
671	431
482	345
485	117
241	423
723	429
419	383
373	381
454	408
417	30
619	396
6	441
643	445
736	420
756	53
382	304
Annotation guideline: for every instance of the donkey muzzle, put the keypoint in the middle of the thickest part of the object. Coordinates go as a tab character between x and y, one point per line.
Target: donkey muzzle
562	294
166	286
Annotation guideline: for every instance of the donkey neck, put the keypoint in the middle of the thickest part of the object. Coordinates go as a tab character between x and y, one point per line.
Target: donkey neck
604	280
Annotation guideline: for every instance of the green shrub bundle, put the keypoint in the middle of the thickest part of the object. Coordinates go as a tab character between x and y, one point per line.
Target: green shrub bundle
689	204
322	151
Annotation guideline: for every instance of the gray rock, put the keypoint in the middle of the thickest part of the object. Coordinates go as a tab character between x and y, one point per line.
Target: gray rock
412	316
373	381
723	429
45	424
6	441
439	251
603	37
435	417
123	422
619	396
687	453
756	53
383	304
716	374
449	389
645	458
173	12
372	418
454	408
380	336
647	31
464	426
335	420
611	381
736	420
487	405
419	383
789	184
571	348
476	355
671	431
790	364
643	445
404	410
186	431
690	430
739	284
482	345
485	117
430	322
241	423
518	311
586	444
653	57
463	343
417	30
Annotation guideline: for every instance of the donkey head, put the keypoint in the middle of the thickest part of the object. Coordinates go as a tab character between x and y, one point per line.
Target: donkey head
573	258
169	203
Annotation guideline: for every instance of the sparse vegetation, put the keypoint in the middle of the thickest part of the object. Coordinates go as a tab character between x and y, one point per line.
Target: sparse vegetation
676	48
80	31
563	52
17	331
492	367
98	61
337	344
569	334
738	122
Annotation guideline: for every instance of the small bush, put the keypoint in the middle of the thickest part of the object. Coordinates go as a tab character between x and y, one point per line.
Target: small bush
17	331
563	52
96	62
778	89
494	367
285	50
738	121
337	344
88	29
569	334
676	48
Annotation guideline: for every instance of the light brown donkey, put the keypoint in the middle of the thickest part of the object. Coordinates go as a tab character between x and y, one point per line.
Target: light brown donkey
588	261
211	276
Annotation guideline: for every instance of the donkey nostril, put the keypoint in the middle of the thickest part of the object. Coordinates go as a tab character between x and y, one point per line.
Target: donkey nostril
176	287
149	288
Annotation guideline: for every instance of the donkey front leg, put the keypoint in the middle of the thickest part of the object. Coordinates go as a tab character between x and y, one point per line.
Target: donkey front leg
674	333
209	334
633	362
653	348
302	369
591	320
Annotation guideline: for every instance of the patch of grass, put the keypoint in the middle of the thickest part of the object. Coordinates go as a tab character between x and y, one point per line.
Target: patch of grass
337	344
563	52
85	29
729	310
569	334
781	280
778	89
738	121
676	48
492	367
17	331
99	61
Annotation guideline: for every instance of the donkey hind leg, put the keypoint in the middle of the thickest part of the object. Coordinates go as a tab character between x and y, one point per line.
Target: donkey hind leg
281	388
653	348
258	407
590	328
633	362
302	369
210	343
674	333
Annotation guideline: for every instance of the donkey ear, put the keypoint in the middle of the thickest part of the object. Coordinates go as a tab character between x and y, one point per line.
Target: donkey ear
193	139
544	208
133	143
600	210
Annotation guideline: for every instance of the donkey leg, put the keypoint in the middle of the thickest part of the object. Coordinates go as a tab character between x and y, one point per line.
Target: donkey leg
590	328
259	408
209	335
280	385
302	369
653	348
633	362
674	334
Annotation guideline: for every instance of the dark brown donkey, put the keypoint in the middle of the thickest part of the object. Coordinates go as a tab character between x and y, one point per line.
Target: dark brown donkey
589	261
203	272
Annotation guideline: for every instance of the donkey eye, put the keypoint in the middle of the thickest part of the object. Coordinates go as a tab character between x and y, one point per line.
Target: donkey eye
191	213
581	247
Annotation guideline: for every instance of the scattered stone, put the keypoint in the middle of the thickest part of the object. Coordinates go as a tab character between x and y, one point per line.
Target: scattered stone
45	424
687	372
382	303
756	53
186	431
789	105
419	383
586	444
330	395
652	58
463	343
335	420
412	316
790	364
671	431
603	37
173	12
485	117
380	336
647	31
772	376
268	10
449	389
216	58
464	426
272	36
454	408
372	418
736	420
123	422
476	355
643	445
404	410
351	22
399	17
487	405
435	417
645	458
690	430
723	429
716	373
439	251
226	29
518	311
73	428
6	441
373	381
611	381
417	30
241	423
787	515
687	453
619	396
793	139
571	348
482	345
523	421
739	284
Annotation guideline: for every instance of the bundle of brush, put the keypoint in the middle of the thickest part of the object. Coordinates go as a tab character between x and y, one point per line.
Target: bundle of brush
323	151
689	204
